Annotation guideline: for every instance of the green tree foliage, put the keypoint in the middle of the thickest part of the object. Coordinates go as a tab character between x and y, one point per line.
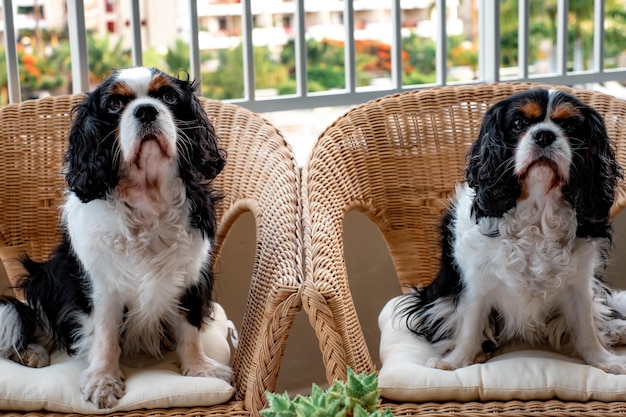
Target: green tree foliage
227	81
268	71
326	63
177	58
325	66
104	56
615	34
36	74
223	76
421	53
542	27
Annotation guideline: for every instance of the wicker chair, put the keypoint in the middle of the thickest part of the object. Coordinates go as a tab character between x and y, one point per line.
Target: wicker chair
260	177
396	159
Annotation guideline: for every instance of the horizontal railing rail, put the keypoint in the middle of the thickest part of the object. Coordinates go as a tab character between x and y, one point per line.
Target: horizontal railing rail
489	66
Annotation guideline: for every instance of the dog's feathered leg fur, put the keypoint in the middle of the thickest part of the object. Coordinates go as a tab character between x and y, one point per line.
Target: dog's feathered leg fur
19	331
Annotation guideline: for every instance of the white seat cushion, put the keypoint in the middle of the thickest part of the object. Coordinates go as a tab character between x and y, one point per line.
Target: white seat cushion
518	375
150	383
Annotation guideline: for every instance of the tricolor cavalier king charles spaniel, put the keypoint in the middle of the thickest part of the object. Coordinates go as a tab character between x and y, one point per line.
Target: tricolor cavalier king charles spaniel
132	274
525	242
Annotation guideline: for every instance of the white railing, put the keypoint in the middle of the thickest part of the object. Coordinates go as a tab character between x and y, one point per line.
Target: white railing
488	69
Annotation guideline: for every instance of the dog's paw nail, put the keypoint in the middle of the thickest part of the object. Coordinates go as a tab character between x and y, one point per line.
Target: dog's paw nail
613	368
483	357
102	389
439	363
209	368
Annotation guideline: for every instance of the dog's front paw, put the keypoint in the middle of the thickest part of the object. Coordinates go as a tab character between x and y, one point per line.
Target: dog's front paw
103	388
448	363
439	363
614	365
207	367
615	332
34	356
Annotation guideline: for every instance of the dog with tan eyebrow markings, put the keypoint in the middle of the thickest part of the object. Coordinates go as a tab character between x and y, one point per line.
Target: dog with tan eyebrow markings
526	240
132	273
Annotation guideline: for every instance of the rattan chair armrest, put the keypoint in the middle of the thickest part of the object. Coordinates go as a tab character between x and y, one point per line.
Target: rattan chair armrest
261	177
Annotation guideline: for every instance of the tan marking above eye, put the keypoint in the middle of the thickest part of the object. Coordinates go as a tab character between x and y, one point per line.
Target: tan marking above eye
159	81
531	110
121	89
564	111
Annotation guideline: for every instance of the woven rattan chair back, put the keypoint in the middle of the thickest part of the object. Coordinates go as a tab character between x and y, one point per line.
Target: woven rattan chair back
32	142
397	160
260	177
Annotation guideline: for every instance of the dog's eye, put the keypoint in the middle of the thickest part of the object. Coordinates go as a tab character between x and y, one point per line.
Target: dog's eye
115	105
519	123
569	127
169	97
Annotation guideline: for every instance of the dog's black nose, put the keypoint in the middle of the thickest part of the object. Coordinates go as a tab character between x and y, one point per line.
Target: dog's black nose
146	113
544	138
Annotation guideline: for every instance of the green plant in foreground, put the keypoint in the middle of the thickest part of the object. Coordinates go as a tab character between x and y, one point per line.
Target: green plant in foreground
357	397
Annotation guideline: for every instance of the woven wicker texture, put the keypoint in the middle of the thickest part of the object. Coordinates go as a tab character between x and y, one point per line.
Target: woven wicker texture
397	159
260	176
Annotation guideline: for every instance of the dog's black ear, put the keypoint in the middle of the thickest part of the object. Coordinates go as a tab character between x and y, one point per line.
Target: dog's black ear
489	171
211	157
90	163
201	159
593	176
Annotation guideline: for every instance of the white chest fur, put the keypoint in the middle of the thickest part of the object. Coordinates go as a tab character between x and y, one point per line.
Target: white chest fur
140	262
522	269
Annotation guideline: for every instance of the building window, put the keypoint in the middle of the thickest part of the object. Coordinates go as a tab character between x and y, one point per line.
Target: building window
223	25
287	22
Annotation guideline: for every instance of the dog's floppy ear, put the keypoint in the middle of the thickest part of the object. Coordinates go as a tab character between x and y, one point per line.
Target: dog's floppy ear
201	160
593	177
212	158
488	171
90	170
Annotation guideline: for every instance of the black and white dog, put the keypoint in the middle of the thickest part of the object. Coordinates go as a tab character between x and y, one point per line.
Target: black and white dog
132	274
525	243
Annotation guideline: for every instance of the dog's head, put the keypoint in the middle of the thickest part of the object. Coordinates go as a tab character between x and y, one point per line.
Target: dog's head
538	141
138	123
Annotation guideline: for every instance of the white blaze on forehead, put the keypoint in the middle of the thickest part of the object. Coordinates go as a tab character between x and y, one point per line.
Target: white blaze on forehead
551	95
138	79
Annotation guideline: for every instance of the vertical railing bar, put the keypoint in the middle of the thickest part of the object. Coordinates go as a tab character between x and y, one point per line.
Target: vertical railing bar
301	50
194	46
249	83
135	30
523	33
489	49
349	53
13	72
441	54
396	45
561	37
78	45
598	35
